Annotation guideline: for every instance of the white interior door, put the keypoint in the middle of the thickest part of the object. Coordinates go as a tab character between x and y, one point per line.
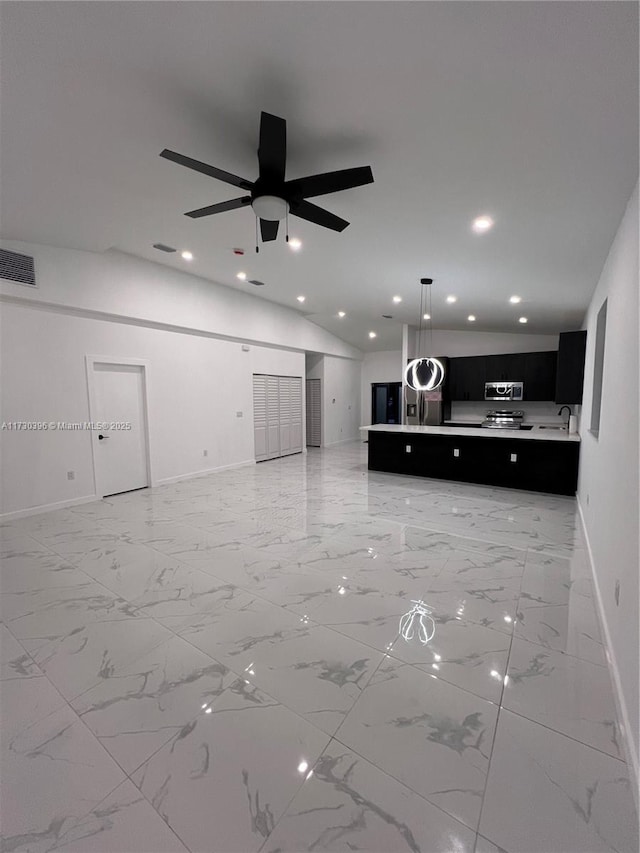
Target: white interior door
260	417
120	452
273	417
296	413
277	415
284	398
314	404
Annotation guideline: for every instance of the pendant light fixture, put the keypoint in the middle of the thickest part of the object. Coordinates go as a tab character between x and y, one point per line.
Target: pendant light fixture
425	373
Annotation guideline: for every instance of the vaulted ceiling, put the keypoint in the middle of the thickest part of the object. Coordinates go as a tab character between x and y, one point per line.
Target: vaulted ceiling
524	111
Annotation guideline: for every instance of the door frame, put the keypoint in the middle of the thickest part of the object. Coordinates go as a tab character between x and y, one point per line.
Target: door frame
400	398
313	379
90	362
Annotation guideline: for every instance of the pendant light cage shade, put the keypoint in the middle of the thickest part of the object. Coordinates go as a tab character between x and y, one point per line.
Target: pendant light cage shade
425	373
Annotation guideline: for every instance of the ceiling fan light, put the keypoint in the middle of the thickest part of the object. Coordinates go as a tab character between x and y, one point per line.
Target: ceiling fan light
270	207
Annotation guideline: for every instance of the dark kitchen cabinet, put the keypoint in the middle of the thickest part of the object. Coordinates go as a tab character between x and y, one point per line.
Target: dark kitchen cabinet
537	370
570	374
535	465
539	375
507	367
466	378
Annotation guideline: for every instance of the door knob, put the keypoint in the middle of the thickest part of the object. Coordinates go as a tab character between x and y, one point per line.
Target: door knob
102	437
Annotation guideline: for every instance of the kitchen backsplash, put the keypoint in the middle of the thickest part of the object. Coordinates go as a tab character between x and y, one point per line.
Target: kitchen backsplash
534	412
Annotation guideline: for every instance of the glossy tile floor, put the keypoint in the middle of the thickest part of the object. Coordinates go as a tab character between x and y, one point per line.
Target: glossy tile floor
300	656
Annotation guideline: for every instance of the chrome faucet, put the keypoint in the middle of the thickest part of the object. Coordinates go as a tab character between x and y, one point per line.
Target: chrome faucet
569	410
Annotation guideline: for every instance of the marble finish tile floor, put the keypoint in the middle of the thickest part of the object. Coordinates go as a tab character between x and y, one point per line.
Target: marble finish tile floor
305	656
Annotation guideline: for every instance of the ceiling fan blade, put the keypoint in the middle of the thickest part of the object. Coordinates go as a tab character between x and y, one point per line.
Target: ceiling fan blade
330	182
268	230
205	169
317	215
221	207
272	149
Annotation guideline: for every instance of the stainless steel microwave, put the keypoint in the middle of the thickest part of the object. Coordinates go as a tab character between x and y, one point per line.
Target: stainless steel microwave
503	390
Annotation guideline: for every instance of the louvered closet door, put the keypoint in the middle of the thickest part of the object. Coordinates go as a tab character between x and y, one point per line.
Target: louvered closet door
273	417
284	383
313	412
296	414
260	417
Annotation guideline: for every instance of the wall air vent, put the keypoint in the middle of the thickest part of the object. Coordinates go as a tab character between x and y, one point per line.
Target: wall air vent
256	282
18	268
163	248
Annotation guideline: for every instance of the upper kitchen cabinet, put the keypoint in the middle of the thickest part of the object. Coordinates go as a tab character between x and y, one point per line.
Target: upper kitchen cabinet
466	378
570	375
537	370
539	375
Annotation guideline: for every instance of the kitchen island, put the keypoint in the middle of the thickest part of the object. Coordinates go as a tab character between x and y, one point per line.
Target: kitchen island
540	459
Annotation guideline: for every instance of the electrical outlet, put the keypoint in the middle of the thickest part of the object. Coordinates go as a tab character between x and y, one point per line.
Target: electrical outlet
407	448
71	475
456	452
238	414
205	452
616	594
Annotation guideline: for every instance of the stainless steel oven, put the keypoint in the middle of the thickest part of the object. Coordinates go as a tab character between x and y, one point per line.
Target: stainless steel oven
504	390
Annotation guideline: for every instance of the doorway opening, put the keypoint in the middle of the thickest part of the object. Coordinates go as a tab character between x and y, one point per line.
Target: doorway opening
386	398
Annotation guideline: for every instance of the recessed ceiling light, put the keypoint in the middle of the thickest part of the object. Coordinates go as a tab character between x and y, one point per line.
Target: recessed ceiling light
301	298
452	299
515	299
397	299
523	320
471	318
341	314
372	335
187	256
295	244
242	276
482	224
426	316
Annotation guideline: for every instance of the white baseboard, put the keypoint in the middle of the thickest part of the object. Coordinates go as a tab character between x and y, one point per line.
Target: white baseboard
342	441
628	741
36	510
203	473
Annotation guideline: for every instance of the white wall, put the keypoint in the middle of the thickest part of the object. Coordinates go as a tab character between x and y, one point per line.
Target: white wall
609	465
189	330
455	343
384	366
119	285
341	398
196	385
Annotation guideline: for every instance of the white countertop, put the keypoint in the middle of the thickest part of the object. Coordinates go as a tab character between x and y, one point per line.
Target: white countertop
535	434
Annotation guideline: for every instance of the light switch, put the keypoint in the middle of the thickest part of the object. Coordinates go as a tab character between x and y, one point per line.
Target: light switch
408	448
456	451
514	457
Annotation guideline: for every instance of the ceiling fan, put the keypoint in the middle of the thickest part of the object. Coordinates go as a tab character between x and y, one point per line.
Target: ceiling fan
271	197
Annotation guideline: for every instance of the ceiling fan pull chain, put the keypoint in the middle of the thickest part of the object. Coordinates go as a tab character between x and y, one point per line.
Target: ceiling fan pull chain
286	226
257	249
